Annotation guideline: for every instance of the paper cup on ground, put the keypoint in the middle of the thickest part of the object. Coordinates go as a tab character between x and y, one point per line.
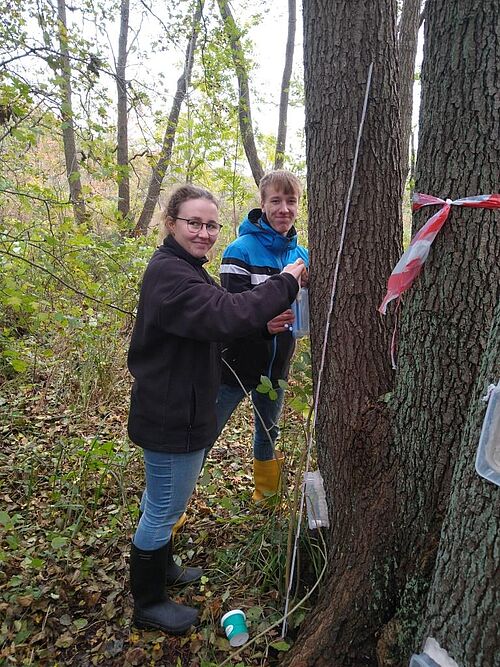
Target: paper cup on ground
235	626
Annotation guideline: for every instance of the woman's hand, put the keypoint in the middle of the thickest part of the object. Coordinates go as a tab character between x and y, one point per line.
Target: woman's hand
296	269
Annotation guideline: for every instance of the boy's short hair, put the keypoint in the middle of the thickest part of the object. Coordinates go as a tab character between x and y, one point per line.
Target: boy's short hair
281	180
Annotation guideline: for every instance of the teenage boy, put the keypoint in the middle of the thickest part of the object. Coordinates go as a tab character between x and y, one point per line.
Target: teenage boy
266	243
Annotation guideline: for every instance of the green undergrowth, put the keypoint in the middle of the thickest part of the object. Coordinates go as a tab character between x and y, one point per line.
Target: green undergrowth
70	481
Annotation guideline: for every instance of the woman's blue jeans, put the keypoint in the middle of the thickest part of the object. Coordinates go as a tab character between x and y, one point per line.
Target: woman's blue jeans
264	437
170	482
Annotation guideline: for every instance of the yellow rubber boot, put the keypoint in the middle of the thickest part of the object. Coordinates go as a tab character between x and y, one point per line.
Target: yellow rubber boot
179	523
267	477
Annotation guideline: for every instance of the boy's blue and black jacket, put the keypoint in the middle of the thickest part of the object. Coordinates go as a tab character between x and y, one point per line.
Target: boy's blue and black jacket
258	253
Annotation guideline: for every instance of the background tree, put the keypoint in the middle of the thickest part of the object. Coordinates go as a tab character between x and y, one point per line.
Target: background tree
285	86
67	115
351	430
122	114
159	169
244	103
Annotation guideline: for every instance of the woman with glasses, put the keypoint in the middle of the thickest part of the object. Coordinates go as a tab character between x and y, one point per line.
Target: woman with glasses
175	358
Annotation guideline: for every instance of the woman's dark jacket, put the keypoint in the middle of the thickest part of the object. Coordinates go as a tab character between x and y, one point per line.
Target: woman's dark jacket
175	352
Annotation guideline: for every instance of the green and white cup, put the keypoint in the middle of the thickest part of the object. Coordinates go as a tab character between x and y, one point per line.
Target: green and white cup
235	626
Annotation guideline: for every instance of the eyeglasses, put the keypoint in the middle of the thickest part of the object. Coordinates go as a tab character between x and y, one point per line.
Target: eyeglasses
195	226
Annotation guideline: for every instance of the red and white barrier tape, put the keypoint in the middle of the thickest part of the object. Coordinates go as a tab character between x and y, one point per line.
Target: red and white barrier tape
411	262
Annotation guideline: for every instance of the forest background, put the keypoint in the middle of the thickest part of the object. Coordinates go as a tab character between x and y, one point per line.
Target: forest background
69	288
93	137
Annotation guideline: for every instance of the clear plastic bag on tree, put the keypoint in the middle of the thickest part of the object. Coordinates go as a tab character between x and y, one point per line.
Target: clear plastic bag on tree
317	509
488	451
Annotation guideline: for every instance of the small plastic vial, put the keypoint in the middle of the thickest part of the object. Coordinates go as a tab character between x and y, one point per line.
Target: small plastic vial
300	309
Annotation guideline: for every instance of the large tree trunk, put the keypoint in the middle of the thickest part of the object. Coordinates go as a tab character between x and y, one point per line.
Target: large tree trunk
122	115
285	86
159	170
409	25
462	606
68	126
244	107
448	313
352	429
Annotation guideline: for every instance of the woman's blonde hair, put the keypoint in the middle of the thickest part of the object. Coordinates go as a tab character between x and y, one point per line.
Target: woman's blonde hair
179	196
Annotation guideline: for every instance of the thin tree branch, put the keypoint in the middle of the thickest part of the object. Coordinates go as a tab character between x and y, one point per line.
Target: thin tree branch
45	200
63	282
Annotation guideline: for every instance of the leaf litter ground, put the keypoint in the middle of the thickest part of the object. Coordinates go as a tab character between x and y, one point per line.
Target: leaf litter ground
70	490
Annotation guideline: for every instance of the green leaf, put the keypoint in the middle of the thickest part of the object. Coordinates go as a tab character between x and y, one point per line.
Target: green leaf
18	365
21	636
58	542
281	646
282	384
205	478
13	301
298	405
296	619
80	623
12	541
254	613
226	502
266	382
273	394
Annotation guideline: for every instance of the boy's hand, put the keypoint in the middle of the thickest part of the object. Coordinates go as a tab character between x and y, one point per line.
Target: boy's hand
280	323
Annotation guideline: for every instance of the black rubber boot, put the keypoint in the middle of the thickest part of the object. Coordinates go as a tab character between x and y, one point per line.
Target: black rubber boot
152	607
177	575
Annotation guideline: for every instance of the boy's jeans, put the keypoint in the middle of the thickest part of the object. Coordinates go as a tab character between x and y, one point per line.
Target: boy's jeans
270	411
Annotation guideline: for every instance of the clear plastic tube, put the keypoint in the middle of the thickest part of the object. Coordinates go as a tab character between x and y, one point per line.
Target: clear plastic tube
300	309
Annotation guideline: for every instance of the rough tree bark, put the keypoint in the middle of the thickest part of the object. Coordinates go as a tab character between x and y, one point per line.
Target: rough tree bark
122	115
462	607
161	166
447	315
244	106
341	39
285	86
68	126
409	24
